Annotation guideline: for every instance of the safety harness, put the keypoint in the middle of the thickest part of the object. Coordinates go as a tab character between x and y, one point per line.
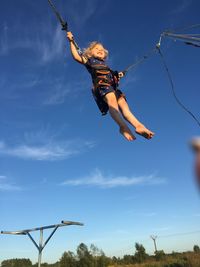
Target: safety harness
102	75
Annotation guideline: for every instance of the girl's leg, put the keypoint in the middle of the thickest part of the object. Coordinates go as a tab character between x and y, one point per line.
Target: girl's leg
111	100
127	114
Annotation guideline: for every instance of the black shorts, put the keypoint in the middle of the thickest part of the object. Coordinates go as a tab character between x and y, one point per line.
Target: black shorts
99	94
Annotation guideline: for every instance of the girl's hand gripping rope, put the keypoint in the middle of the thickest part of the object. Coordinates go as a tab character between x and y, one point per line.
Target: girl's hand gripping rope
75	50
70	36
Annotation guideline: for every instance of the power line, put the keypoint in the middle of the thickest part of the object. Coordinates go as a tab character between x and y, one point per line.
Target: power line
179	234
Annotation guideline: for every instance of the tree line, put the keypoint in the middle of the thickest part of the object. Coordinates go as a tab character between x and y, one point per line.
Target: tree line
95	257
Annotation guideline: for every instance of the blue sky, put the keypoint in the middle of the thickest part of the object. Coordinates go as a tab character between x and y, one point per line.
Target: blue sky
60	159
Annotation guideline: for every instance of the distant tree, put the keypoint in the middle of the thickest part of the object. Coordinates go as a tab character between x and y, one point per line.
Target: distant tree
84	256
68	259
128	259
99	258
140	254
95	253
175	254
16	263
159	255
103	261
56	264
114	260
196	249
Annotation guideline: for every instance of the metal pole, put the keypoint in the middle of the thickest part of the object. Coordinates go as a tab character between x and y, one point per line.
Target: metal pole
33	240
40	248
56	227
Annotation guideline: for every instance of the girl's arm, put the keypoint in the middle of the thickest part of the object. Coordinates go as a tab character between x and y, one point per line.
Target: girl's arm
75	54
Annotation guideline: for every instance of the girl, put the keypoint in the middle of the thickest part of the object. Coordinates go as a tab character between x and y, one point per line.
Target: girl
105	88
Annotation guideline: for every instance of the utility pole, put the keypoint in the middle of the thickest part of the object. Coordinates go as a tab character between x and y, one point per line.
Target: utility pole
153	237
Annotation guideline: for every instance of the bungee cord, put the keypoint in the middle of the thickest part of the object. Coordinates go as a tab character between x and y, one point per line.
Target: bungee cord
63	23
188	39
185	28
173	88
146	56
195	45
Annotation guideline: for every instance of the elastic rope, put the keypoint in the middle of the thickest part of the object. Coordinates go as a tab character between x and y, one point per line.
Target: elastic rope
193	44
147	55
182	36
173	90
64	24
186	28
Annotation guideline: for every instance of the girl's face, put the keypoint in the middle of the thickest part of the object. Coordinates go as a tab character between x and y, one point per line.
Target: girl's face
98	52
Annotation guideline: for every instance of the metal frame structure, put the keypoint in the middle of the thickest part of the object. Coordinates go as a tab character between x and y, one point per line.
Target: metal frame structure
40	246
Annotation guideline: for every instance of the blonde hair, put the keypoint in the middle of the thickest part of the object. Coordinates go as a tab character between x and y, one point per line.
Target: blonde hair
87	52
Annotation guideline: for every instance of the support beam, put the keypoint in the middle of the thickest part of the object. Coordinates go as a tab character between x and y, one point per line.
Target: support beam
41	244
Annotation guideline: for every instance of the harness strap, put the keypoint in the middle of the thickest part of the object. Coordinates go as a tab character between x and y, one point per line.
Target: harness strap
101	82
103	71
103	76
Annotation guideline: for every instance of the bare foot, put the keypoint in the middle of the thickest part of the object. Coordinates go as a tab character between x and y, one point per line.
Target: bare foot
143	131
126	132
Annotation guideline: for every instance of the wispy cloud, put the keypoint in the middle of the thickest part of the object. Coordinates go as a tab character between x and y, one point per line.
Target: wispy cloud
6	186
4	40
47	45
99	180
51	48
184	4
58	94
49	151
88	8
61	89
